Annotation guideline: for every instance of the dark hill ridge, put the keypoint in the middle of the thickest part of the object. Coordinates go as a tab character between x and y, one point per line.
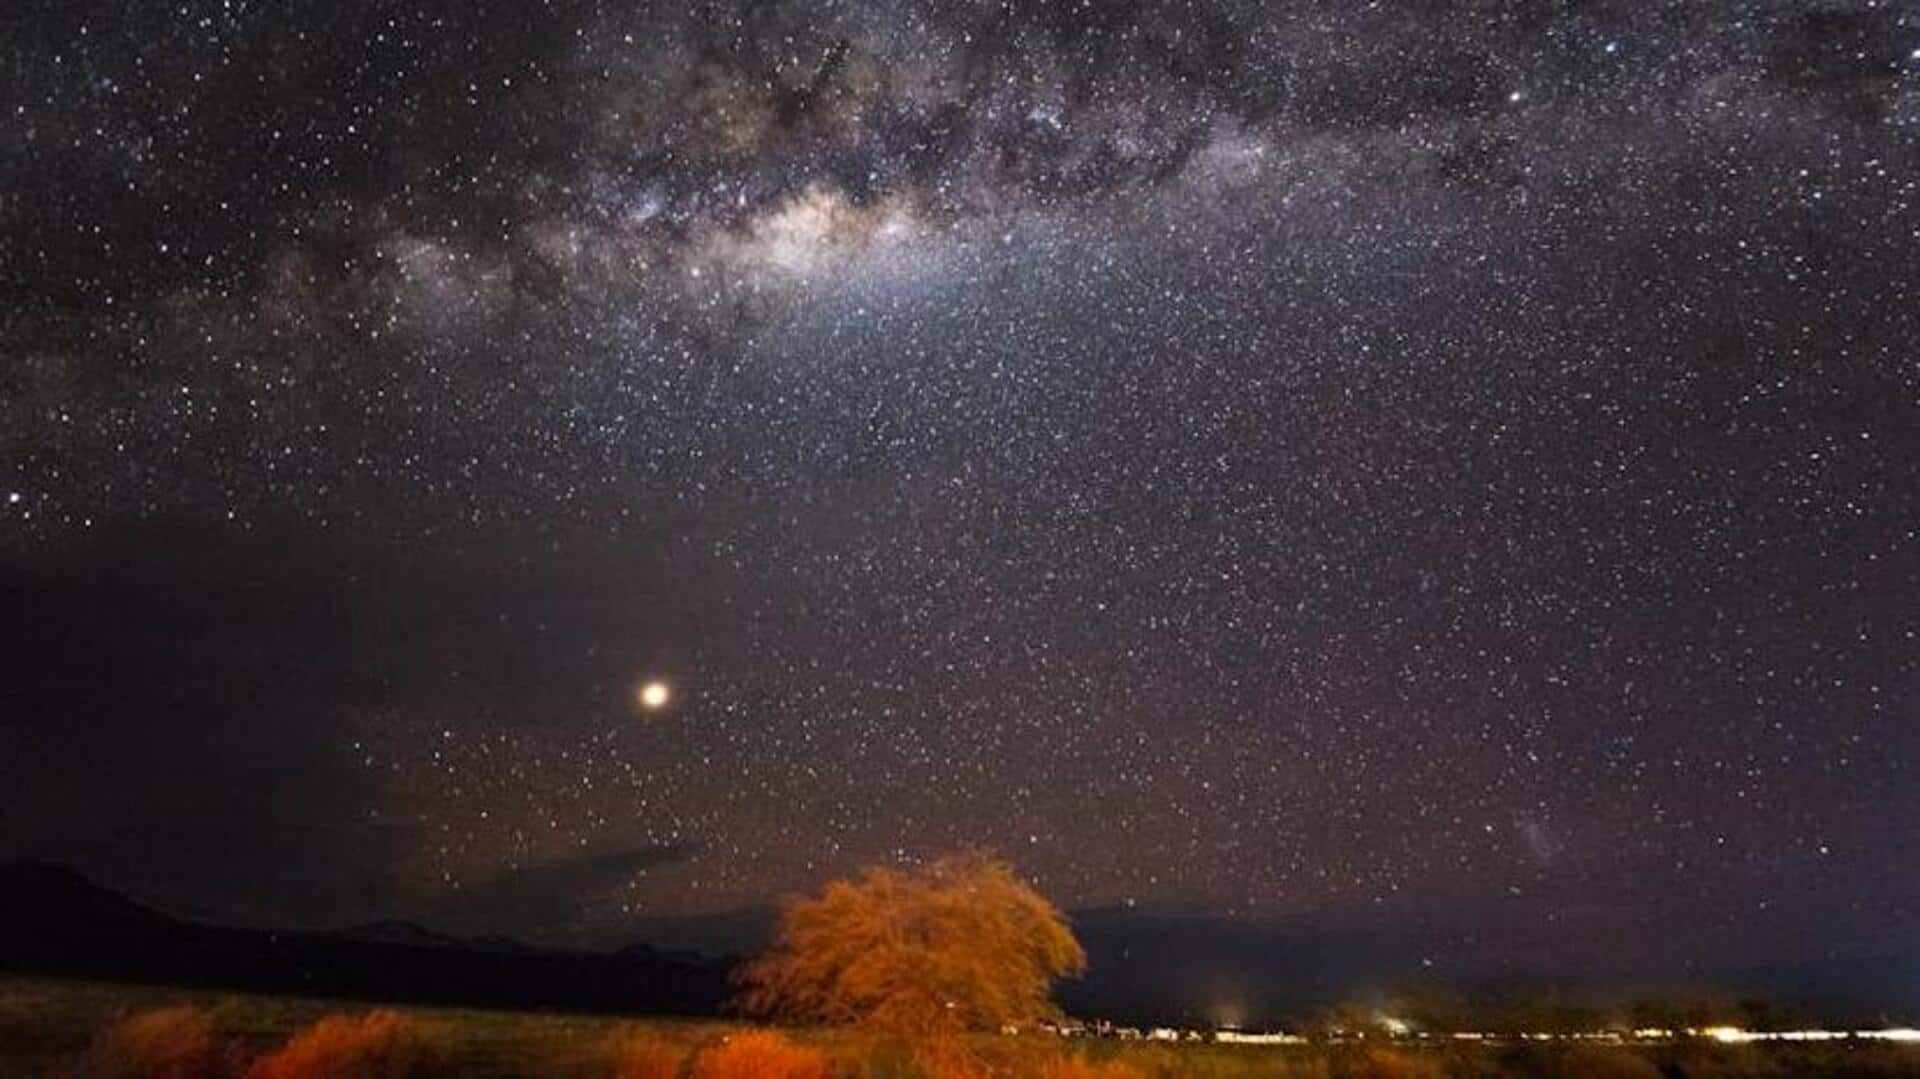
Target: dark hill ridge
413	934
43	896
55	921
397	931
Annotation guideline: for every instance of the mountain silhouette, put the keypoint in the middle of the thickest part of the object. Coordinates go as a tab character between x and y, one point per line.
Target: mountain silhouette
55	921
40	897
413	934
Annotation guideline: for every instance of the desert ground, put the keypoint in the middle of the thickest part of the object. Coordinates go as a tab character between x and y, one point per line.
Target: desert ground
58	1028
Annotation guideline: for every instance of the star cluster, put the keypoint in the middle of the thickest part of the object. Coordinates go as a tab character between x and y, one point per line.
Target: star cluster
1270	460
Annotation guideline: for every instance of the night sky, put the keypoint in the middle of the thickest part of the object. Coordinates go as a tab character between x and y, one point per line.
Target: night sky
1452	469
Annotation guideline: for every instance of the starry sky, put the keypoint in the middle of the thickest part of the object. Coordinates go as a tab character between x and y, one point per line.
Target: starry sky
1448	467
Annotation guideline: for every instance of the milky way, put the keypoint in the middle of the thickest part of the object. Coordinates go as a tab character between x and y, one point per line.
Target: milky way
1265	462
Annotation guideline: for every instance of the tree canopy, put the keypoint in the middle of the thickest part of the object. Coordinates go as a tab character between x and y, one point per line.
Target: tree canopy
959	944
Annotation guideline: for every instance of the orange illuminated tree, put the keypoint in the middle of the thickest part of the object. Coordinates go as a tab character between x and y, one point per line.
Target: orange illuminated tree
960	944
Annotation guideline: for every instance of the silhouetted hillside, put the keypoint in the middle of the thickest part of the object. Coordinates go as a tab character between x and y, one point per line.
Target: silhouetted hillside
41	897
55	921
412	934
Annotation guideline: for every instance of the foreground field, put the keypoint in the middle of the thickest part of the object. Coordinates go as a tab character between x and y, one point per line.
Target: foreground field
51	1028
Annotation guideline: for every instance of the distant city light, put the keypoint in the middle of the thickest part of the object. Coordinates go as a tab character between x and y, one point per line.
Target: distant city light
1241	1037
1399	1029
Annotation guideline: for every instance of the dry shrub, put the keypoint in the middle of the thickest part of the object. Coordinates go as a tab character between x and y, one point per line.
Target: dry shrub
943	1060
1077	1067
1301	1064
1224	1062
1701	1059
1160	1062
634	1054
377	1045
951	1068
760	1054
1378	1063
164	1043
1595	1062
962	944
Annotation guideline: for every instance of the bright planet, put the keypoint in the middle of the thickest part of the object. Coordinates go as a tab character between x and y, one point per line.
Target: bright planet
654	695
